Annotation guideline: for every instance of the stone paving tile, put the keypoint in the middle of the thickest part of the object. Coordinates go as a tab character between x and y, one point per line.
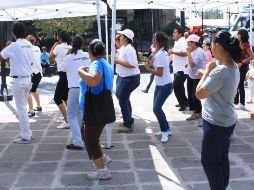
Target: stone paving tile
241	148
199	187
10	167
6	180
175	152
77	166
186	162
76	180
247	158
54	140
37	180
47	156
119	178
41	167
192	174
52	147
245	184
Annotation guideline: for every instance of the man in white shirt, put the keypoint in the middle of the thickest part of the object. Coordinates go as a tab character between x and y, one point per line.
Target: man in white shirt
179	62
21	58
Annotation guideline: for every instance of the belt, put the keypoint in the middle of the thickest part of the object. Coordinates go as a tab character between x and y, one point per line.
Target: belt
20	77
74	87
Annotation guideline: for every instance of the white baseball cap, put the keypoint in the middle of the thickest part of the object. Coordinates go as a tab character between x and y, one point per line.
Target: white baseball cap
128	33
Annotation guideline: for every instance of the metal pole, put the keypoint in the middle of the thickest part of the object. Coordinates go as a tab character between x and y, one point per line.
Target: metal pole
113	33
98	18
152	21
251	24
106	32
202	18
182	20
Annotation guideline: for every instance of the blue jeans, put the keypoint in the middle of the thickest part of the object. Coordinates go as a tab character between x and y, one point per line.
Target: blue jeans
124	87
214	154
74	116
161	93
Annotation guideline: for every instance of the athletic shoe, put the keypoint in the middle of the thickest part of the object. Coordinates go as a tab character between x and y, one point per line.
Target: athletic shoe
99	174
240	106
73	147
63	126
164	137
145	91
159	133
124	129
38	109
31	114
192	117
21	140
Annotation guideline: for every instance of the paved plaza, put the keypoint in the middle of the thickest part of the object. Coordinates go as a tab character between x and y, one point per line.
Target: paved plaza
140	161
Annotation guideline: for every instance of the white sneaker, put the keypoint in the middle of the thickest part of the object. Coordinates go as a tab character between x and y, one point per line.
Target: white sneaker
21	140
164	137
250	101
240	106
63	126
106	159
100	174
159	133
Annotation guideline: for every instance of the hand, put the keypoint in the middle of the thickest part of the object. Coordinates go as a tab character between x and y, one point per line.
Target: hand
252	115
140	53
188	49
170	51
186	65
210	66
200	73
240	64
116	60
147	67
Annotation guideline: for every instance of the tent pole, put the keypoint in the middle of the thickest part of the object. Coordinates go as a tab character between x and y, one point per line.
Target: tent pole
113	32
98	18
251	25
106	32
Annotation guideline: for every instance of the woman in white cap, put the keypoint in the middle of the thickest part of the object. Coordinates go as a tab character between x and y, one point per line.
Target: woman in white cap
196	60
128	78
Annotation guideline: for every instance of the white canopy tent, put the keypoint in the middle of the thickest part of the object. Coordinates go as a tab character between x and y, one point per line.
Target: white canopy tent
175	4
11	10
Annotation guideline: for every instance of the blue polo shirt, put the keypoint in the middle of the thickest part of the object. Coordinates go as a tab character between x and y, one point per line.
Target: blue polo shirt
99	65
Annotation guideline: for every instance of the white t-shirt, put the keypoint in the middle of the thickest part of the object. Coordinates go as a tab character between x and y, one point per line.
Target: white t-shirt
60	52
161	59
178	61
21	57
71	64
127	53
36	66
251	72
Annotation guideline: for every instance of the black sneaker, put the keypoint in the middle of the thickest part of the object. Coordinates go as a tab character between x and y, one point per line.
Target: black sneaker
31	114
145	91
177	105
73	147
38	109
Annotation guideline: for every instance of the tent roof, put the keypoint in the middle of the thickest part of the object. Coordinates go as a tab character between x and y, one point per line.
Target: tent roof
175	4
45	9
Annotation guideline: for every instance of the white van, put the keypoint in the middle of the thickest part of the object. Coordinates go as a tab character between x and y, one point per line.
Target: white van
243	21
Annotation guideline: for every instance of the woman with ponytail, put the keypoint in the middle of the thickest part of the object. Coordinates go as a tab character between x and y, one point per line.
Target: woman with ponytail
218	87
71	63
247	56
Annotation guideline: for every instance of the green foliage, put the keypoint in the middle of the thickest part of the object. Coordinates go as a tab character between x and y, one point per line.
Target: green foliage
212	14
135	27
76	24
169	28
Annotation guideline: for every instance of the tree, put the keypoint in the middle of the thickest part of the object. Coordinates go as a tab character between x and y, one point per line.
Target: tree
169	28
74	24
135	27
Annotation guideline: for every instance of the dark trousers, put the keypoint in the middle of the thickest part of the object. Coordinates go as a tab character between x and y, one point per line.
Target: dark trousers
150	82
61	92
241	90
214	154
194	103
124	87
161	94
179	90
92	141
